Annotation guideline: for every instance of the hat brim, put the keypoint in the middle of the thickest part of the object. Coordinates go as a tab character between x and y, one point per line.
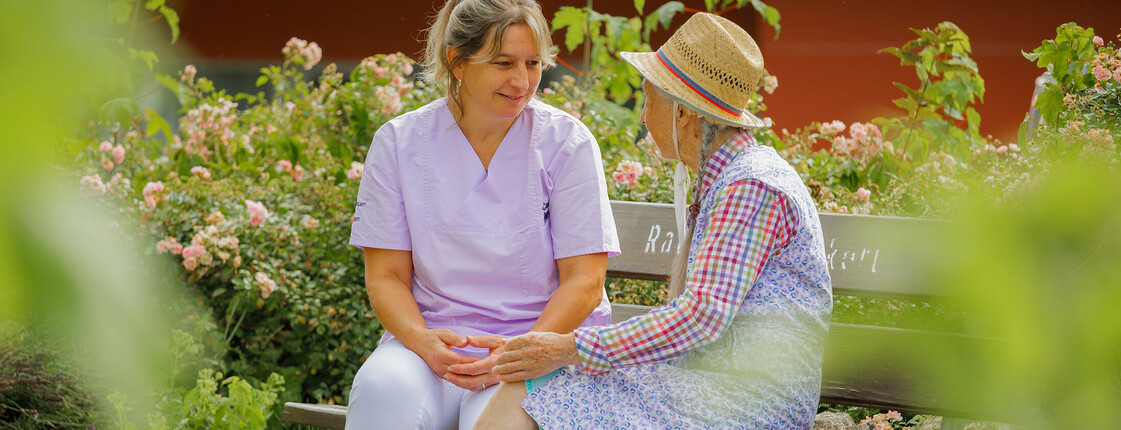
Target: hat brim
651	68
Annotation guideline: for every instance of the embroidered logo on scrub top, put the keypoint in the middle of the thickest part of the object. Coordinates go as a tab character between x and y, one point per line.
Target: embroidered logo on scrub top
356	217
545	208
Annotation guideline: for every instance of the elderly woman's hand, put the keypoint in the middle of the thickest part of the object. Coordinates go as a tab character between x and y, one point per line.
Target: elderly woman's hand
534	354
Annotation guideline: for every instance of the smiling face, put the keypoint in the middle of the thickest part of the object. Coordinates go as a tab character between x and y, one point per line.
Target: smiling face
498	89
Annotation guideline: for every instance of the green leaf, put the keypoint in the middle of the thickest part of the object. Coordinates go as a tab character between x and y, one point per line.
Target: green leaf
172	19
639	4
573	21
261	80
1050	102
121	10
906	58
156	124
769	13
910	92
153	4
118	111
173	85
149	57
974	119
663	15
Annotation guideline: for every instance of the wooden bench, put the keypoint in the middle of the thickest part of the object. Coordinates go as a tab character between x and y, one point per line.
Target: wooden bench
869	256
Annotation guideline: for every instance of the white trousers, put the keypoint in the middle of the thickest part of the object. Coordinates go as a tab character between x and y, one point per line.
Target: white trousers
395	389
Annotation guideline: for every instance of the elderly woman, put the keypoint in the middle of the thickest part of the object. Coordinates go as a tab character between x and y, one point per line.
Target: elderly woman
482	213
740	345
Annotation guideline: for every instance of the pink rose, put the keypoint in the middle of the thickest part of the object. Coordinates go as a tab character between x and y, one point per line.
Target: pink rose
118	154
355	171
547	90
201	172
285	164
407	69
858	131
105	146
190	264
1099	41
257	212
770	84
863	193
152	188
107	163
380	71
189	73
1102	74
266	285
298	173
194	251
619	177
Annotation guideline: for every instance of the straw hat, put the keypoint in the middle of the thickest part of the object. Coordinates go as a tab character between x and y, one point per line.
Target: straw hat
710	65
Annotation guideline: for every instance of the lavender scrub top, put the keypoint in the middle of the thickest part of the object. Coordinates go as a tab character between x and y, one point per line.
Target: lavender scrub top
484	244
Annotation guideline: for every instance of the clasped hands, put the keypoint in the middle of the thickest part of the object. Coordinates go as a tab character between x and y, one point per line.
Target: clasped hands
511	359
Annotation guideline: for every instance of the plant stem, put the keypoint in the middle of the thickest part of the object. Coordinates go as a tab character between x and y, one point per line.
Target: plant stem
914	117
132	28
586	81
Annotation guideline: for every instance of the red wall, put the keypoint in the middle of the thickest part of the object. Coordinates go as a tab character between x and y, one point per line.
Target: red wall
825	59
828	68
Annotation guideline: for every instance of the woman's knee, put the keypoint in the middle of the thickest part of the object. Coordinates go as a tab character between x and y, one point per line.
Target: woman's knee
392	370
394	389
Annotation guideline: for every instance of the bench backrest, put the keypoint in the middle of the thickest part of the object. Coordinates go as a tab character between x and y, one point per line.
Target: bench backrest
863	259
869	256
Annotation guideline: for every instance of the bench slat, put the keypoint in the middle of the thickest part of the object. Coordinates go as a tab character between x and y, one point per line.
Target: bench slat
877	366
869	256
322	416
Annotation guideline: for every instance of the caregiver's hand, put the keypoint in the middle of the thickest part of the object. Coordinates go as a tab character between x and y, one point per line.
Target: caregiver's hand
477	375
534	354
434	346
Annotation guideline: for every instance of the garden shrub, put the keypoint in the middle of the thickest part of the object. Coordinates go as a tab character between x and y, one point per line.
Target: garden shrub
252	195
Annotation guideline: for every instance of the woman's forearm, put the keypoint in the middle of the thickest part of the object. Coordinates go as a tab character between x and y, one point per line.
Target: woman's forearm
388	285
580	291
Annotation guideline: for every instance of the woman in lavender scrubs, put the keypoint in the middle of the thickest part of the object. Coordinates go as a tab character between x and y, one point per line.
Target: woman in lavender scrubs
482	213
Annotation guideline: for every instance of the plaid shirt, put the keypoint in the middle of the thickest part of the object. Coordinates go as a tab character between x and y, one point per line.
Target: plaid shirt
749	223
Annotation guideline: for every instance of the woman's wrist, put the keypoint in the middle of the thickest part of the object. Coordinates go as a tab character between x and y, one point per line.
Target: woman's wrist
572	354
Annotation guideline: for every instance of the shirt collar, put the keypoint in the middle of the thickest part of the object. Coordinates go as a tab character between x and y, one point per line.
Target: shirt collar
724	155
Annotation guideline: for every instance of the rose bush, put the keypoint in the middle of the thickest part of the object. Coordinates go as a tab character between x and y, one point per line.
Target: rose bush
252	195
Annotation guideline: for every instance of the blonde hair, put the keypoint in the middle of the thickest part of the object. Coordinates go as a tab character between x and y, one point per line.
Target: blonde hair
475	28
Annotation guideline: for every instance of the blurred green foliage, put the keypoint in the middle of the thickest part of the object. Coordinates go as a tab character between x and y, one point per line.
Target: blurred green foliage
1041	277
283	308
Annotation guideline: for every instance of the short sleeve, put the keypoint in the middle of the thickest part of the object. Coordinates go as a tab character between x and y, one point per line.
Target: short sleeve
379	214
579	210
